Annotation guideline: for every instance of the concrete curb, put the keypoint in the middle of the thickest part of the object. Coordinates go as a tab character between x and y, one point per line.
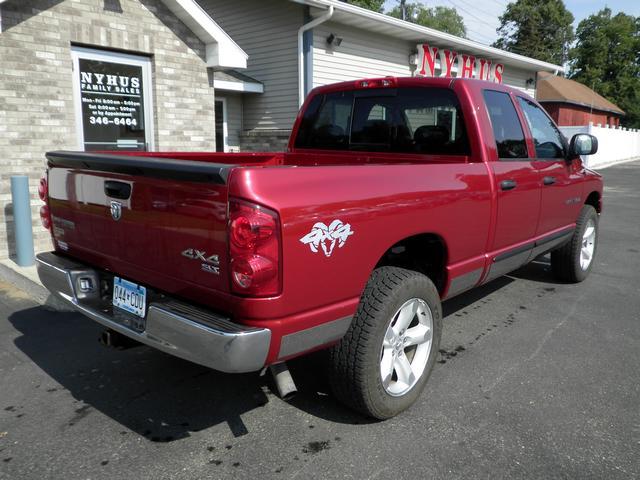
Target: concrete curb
34	289
613	164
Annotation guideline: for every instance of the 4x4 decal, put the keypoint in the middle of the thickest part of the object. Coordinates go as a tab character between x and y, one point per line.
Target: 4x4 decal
209	263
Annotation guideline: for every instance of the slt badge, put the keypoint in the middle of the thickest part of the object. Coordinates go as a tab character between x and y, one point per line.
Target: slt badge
327	237
209	264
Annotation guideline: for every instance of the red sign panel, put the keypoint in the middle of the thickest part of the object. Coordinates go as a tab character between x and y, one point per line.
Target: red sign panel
466	66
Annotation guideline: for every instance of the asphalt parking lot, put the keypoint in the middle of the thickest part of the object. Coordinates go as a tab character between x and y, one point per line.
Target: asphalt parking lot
536	379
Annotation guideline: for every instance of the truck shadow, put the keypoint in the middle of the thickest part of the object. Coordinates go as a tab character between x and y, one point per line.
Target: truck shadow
158	396
164	398
153	394
462	301
538	270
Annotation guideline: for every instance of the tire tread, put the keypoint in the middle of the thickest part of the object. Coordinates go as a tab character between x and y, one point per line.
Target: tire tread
565	262
347	371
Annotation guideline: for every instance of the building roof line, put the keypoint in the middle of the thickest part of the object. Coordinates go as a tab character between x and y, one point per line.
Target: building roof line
582	104
429	34
220	49
559	89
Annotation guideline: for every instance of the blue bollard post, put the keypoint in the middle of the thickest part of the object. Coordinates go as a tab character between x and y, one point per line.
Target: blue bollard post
22	220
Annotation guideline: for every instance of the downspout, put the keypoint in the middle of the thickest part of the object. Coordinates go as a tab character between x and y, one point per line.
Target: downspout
307	26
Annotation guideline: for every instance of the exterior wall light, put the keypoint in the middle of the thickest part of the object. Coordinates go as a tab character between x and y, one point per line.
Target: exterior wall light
334	40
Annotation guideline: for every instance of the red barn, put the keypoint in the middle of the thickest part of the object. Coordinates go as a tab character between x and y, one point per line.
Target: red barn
572	104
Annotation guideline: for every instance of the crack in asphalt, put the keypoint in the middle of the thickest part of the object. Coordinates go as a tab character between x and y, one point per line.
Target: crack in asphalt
539	347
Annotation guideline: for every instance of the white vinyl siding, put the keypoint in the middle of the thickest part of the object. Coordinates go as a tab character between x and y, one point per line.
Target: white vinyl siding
267	31
362	54
517	78
365	54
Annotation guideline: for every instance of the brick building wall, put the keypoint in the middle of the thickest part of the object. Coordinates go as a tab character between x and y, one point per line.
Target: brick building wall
264	140
36	90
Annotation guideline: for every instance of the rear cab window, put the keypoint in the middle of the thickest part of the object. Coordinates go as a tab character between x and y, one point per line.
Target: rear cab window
407	120
507	130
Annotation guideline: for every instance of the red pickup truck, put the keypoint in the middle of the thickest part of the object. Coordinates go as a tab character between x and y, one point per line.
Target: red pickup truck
393	195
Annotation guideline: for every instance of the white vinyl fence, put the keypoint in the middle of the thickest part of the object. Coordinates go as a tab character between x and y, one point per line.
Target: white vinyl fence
614	144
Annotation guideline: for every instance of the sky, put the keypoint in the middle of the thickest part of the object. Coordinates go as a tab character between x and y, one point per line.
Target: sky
481	16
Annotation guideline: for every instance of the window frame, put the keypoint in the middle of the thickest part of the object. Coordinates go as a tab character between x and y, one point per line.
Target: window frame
534	153
98	55
225	125
523	126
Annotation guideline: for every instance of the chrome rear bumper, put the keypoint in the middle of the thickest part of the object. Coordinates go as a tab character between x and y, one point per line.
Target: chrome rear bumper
174	327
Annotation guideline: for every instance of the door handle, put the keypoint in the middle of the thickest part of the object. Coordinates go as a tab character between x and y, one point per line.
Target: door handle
549	180
508	184
119	190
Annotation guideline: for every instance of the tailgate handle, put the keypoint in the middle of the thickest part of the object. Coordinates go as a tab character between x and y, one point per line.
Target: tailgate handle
119	190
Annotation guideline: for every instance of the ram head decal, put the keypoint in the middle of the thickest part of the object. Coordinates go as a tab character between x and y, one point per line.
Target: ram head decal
326	238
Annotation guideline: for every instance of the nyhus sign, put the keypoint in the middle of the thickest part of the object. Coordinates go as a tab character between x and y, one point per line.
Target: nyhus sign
452	64
113	106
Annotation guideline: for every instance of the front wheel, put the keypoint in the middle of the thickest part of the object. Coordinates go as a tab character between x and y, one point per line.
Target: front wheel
384	361
573	261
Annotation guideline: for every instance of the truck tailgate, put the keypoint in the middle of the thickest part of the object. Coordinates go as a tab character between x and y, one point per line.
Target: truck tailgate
156	221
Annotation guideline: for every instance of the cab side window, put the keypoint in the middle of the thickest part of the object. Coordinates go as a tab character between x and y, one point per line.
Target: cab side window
547	138
506	125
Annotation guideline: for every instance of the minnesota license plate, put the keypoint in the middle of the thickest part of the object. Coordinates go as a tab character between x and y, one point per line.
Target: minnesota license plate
129	296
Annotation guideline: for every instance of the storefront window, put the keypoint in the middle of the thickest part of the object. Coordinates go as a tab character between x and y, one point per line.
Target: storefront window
112	100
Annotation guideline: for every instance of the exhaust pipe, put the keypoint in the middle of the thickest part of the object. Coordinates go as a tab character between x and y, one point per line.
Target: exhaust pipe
112	339
283	380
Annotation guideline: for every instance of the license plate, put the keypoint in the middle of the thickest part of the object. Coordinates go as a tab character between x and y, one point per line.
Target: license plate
129	296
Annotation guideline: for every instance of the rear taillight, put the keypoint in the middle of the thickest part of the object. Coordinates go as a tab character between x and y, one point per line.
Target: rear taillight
45	217
43	188
43	193
254	247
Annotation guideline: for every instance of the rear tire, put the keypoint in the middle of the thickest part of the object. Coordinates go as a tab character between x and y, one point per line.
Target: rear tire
395	334
573	261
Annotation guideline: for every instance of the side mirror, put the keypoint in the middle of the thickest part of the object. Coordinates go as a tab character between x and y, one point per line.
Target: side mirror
583	144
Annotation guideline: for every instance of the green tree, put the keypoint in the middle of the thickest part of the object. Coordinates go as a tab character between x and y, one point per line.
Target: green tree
539	29
444	19
606	58
375	5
